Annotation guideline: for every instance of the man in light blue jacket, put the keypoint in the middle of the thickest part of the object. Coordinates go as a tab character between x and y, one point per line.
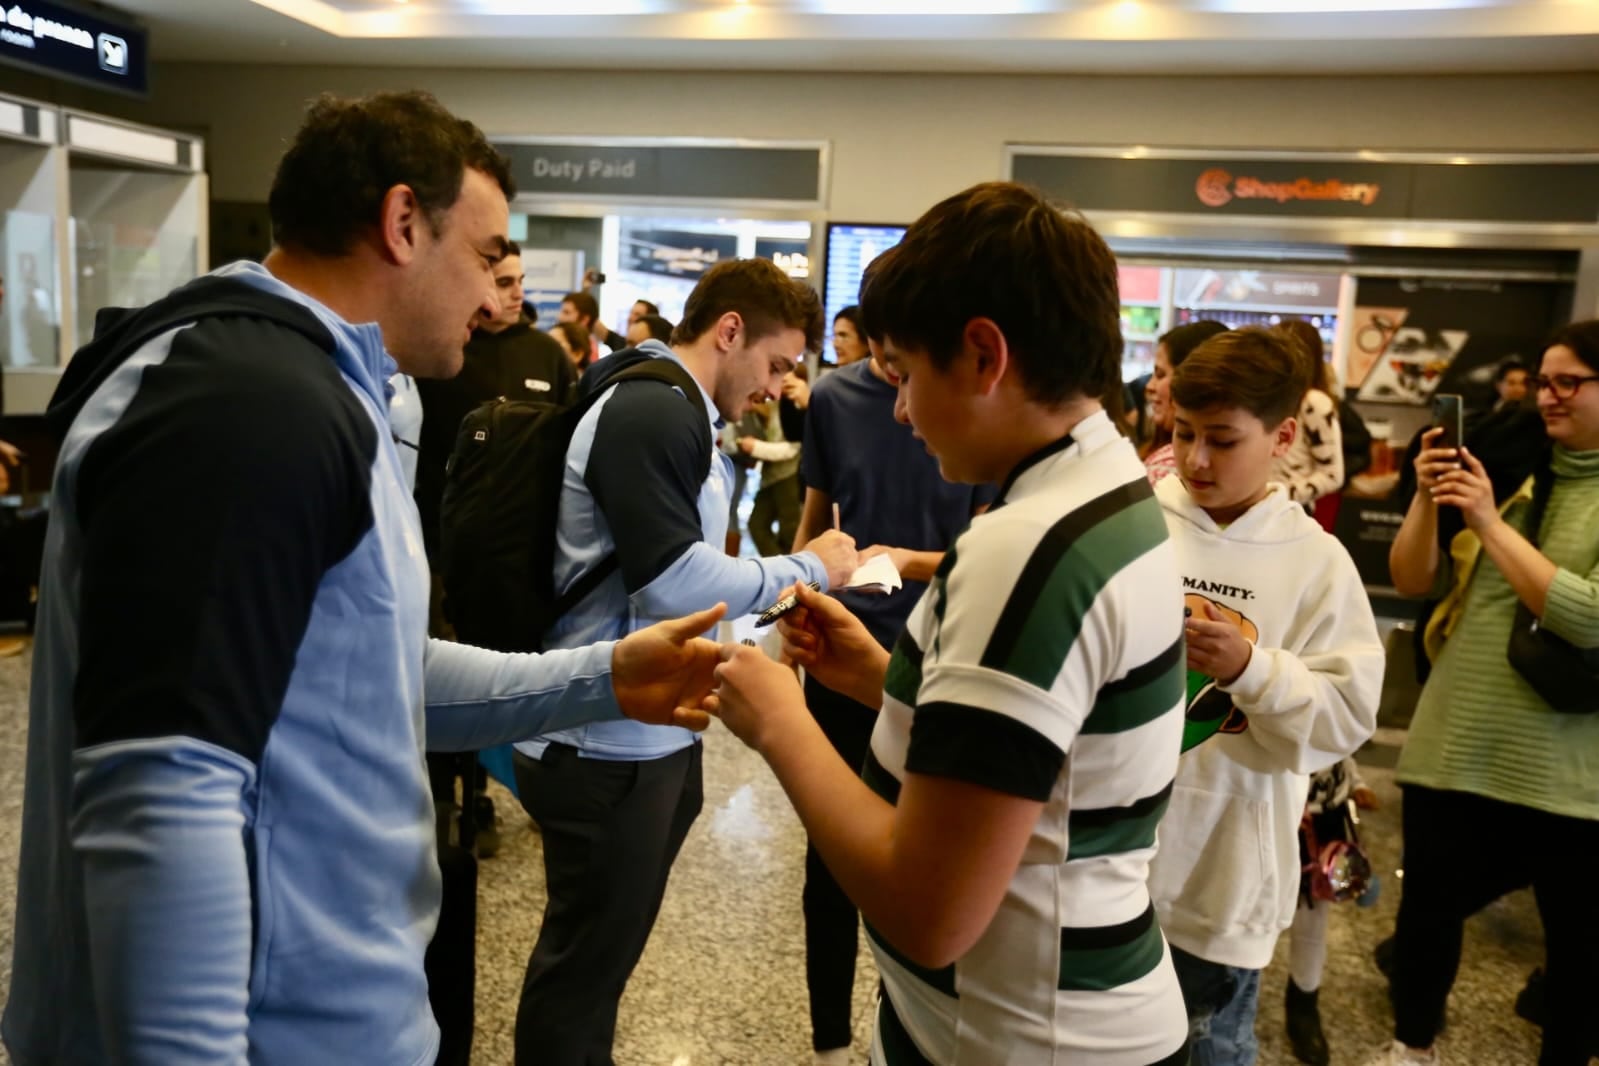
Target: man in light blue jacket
228	842
646	495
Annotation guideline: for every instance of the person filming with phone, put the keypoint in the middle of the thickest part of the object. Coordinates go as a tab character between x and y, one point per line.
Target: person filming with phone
1506	734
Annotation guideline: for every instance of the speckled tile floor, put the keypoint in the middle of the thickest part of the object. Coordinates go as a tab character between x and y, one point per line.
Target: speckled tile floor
722	981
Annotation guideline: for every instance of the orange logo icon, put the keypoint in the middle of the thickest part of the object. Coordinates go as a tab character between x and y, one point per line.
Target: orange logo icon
1214	188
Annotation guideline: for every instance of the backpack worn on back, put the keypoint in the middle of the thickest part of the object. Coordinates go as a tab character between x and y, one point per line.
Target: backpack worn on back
502	498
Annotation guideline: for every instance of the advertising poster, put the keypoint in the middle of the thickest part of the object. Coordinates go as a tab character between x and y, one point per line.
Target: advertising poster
792	256
675	253
1412	337
1409	339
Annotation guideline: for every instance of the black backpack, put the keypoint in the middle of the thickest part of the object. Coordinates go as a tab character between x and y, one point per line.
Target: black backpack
502	497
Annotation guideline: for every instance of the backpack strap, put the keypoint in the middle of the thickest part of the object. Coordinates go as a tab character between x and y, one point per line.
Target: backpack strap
666	372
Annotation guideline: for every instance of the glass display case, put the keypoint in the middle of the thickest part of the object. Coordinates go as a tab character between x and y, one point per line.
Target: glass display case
1241	298
137	202
30	202
1144	293
93	213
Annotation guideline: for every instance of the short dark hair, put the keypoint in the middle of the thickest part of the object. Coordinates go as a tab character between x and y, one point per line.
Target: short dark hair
757	289
512	248
1253	368
649	308
1582	338
660	328
587	306
1503	370
1182	340
349	153
1005	252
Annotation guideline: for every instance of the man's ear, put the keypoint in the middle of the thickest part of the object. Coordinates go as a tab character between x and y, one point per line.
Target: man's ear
1285	436
986	349
728	329
400	221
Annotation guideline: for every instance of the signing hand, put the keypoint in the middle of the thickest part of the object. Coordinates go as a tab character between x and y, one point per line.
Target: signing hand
1216	647
837	552
661	675
1469	489
834	647
746	445
755	697
1432	463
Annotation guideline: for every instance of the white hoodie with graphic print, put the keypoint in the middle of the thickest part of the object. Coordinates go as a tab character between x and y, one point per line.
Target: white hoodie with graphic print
1226	877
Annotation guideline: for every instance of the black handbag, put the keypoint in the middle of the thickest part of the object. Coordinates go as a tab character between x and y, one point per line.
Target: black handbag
1563	675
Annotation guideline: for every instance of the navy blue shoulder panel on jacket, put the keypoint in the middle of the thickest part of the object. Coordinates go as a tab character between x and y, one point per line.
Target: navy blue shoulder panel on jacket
237	476
651	453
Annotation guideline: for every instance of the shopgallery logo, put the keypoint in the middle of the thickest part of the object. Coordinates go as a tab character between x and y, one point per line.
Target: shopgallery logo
1218	188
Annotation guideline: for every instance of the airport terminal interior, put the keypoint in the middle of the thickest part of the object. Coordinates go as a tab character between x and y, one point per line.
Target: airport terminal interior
1411	184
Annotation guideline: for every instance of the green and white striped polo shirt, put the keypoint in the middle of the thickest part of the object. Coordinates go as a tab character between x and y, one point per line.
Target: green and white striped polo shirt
1046	661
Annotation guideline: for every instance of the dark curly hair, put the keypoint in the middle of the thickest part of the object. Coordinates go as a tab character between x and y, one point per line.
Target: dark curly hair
349	153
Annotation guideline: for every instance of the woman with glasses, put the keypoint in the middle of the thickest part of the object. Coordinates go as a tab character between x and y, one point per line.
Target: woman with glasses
1501	790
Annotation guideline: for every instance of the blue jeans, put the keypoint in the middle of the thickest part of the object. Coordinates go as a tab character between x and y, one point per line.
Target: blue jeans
1221	1002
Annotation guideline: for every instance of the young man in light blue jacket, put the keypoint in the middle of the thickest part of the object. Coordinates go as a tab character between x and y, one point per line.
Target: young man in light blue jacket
646	492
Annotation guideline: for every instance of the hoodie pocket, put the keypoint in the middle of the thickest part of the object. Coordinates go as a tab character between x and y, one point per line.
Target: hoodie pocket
1213	864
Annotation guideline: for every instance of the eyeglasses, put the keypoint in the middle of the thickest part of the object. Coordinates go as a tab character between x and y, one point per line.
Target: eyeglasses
1564	386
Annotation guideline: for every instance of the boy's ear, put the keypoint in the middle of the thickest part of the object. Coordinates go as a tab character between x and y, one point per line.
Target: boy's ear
987	352
1284	436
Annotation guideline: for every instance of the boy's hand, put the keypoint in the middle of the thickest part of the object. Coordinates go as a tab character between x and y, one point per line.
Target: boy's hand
834	647
1216	647
755	697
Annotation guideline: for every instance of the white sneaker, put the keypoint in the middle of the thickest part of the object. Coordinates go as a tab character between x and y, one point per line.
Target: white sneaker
1397	1054
838	1056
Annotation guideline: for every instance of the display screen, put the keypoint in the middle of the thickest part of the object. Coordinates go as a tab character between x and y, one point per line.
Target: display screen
849	249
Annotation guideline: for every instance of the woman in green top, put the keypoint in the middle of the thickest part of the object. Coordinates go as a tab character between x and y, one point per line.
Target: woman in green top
1501	791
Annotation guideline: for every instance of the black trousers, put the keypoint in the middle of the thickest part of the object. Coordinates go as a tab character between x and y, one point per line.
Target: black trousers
1464	851
831	922
611	833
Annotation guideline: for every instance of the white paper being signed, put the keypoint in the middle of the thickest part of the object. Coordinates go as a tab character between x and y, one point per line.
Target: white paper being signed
878	574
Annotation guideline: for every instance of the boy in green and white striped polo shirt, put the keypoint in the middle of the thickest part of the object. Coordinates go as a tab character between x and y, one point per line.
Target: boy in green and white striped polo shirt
1031	712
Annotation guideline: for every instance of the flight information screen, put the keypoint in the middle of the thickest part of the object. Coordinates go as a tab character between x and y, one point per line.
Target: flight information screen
849	249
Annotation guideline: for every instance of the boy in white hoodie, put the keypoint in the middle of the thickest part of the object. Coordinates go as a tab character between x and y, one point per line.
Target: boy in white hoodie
1284	665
